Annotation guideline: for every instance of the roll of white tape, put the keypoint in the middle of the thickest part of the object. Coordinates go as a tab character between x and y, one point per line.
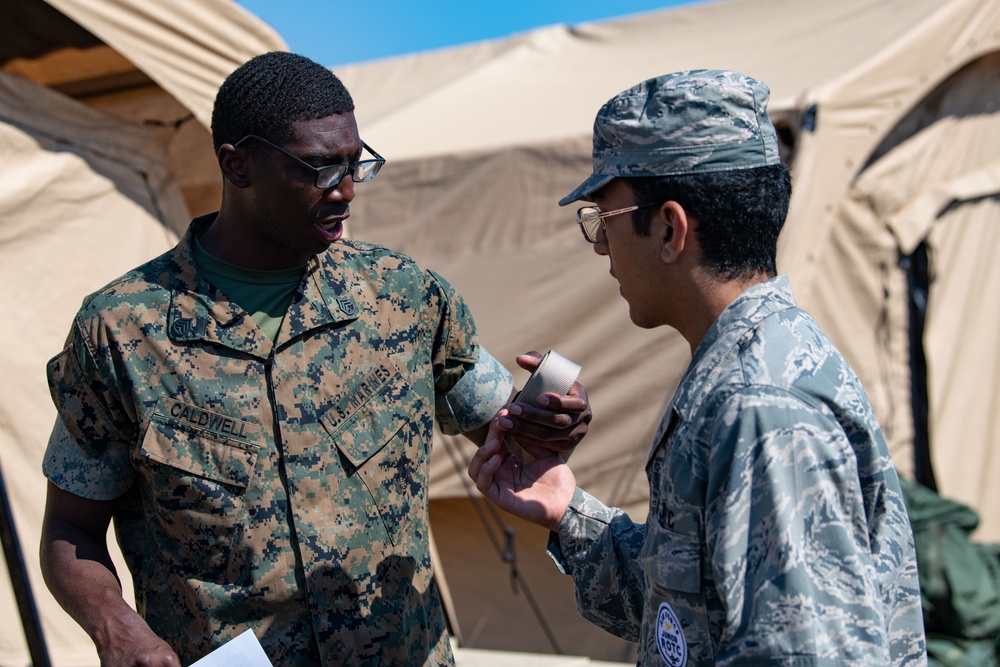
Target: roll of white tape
554	373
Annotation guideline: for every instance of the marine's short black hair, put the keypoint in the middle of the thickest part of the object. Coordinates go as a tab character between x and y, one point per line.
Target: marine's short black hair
739	214
269	92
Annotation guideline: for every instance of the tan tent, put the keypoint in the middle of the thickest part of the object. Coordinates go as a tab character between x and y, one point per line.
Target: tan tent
105	153
888	114
888	111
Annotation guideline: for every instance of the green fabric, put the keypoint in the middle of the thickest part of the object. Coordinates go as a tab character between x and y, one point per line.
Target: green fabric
951	652
959	581
265	295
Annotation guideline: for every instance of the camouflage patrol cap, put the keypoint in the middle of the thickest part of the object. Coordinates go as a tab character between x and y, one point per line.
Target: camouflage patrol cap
683	123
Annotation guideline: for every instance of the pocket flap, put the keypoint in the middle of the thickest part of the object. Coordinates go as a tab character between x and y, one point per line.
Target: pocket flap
369	418
672	560
204	443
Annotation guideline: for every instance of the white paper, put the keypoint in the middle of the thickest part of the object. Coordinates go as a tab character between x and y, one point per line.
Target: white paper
243	651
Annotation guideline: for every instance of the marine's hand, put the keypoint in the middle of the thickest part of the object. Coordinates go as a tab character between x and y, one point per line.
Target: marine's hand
81	575
538	491
128	642
556	423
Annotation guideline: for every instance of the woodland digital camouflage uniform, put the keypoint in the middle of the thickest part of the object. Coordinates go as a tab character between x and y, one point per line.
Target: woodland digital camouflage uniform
776	525
280	487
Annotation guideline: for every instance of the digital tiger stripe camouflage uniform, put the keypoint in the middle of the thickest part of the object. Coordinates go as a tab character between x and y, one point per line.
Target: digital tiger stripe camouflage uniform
776	531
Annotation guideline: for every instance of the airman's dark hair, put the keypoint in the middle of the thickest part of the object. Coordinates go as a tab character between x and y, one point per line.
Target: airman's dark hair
739	214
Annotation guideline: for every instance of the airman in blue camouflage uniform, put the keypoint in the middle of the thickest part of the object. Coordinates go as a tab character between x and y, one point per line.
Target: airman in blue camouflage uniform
254	411
776	531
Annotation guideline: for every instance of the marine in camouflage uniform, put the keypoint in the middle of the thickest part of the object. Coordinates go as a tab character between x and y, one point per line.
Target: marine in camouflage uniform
288	475
776	531
254	411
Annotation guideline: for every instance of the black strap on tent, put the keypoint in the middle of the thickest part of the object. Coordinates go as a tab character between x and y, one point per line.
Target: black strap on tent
19	580
918	280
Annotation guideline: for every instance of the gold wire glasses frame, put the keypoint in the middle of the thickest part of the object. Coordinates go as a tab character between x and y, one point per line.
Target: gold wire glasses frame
592	220
330	175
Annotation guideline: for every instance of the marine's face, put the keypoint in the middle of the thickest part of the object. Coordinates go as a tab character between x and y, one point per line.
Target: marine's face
293	218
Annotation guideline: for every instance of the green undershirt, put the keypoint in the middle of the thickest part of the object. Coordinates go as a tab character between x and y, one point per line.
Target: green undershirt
265	295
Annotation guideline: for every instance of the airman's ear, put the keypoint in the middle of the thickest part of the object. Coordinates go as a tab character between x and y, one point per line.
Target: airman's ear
233	163
671	225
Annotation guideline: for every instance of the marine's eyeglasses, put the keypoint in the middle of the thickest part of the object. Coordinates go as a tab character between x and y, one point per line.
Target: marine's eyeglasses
330	175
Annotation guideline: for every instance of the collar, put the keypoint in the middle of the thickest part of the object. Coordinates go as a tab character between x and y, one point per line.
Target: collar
733	325
200	312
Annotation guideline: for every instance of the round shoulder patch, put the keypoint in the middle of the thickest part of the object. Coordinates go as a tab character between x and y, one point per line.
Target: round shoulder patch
670	637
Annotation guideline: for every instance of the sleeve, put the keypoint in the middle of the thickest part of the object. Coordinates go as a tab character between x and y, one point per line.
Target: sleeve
599	547
88	452
476	397
469	384
786	534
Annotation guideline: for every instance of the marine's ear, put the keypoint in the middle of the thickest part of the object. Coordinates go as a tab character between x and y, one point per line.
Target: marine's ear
233	163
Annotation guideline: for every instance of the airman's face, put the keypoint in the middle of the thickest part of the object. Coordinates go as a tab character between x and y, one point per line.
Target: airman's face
634	260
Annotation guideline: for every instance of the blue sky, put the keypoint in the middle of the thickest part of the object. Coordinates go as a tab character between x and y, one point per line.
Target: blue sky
339	32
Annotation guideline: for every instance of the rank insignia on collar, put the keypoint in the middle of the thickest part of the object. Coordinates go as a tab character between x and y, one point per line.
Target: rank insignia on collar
347	306
182	327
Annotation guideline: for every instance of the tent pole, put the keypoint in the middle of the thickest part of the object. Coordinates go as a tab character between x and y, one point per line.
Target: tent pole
30	620
450	615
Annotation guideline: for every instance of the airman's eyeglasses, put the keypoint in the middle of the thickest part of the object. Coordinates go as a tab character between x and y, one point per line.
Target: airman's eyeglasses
592	220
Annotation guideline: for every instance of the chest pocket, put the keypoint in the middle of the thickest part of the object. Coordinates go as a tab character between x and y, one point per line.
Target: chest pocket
375	433
673	549
672	564
672	560
197	466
